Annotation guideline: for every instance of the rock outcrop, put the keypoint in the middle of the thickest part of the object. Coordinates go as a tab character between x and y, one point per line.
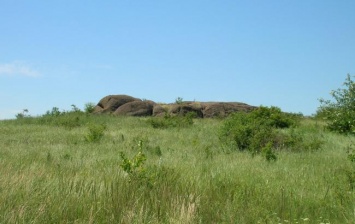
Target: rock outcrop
223	109
130	106
109	104
136	108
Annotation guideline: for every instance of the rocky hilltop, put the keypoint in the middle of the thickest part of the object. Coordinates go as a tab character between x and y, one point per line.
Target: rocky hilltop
130	106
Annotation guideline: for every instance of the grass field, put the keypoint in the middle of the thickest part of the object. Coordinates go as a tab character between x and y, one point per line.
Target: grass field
55	171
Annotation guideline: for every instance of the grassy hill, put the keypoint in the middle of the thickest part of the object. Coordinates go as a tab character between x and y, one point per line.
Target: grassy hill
79	168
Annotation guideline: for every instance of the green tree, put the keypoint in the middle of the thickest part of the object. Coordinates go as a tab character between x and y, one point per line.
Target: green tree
340	113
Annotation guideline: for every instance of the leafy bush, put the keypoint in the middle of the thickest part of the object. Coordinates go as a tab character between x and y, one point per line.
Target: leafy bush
89	108
179	100
260	130
268	152
297	141
54	112
274	117
23	114
133	167
340	113
96	132
244	132
62	119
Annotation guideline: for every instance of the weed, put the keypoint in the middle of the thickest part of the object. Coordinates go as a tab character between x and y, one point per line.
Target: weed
179	100
75	109
23	114
49	157
157	151
268	152
54	112
133	167
350	173
89	108
96	132
208	152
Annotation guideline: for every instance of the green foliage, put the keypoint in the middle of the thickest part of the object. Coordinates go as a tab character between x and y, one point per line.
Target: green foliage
54	112
133	167
274	117
75	109
179	100
268	152
261	130
245	133
350	172
297	141
96	132
66	120
252	131
340	113
170	121
89	108
23	114
48	179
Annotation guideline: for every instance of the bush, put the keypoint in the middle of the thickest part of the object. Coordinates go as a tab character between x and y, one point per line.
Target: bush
96	132
23	114
68	119
274	117
89	108
245	133
340	114
258	129
169	121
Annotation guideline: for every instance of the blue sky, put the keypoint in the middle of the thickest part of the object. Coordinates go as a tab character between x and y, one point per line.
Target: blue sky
282	53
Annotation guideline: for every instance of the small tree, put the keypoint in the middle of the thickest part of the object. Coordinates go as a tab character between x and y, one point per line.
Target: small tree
340	113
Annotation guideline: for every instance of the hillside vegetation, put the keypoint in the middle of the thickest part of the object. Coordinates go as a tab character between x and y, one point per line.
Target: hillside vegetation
264	166
78	168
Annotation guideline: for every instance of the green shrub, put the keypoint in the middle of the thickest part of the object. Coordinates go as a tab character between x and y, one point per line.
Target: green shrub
23	114
274	117
54	112
179	100
258	129
133	167
62	119
169	121
96	132
245	132
268	152
297	141
89	108
340	113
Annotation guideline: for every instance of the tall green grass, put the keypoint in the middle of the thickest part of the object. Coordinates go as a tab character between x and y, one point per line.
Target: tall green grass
50	173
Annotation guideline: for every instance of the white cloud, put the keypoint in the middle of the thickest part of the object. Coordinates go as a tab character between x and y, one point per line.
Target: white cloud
18	69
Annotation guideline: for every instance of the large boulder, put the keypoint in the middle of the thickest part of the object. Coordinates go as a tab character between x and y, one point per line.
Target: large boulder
185	108
159	110
136	108
110	103
223	109
130	106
